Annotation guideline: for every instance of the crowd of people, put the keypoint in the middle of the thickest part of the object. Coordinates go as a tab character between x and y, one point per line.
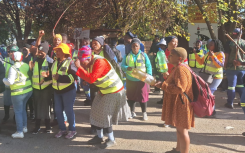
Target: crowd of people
41	76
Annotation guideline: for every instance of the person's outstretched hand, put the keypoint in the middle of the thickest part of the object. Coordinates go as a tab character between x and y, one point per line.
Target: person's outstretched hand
77	63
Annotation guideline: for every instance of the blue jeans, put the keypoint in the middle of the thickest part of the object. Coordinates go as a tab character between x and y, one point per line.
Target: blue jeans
19	104
7	97
214	85
86	89
235	83
65	102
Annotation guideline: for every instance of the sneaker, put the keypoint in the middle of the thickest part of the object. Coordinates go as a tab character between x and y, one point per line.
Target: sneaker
25	130
109	144
18	135
165	125
133	115
95	140
47	130
35	131
228	106
243	133
160	101
70	134
60	134
145	118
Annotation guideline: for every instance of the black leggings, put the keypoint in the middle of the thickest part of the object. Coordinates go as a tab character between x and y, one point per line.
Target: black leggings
105	130
30	105
132	106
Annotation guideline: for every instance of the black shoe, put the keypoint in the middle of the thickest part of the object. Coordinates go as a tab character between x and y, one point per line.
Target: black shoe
87	102
54	123
243	133
95	140
160	101
228	106
173	151
35	131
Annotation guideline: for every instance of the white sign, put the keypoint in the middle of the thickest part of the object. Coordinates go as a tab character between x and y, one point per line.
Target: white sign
85	33
202	30
78	33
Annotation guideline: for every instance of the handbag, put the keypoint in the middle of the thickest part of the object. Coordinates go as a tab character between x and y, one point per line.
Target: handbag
207	77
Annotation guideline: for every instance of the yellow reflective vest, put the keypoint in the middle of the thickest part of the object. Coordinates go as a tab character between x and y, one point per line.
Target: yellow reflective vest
62	71
37	76
192	60
138	64
22	83
212	69
74	56
161	63
100	54
7	66
109	83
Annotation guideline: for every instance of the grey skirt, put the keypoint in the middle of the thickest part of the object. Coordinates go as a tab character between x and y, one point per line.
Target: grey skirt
108	109
42	101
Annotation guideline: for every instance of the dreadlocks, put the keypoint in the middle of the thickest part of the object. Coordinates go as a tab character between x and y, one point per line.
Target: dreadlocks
218	45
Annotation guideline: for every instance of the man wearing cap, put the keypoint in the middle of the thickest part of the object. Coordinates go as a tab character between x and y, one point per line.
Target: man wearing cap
42	87
7	93
234	75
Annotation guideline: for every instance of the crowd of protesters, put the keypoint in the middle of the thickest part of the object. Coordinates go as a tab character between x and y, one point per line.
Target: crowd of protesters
40	76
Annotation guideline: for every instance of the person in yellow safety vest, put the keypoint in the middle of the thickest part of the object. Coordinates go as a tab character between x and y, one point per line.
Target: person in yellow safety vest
7	93
195	66
21	90
214	60
64	75
42	87
109	105
137	91
161	64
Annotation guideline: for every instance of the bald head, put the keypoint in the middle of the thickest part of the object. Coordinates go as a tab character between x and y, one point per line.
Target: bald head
181	52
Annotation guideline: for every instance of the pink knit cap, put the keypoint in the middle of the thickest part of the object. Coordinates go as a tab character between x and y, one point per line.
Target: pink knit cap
84	53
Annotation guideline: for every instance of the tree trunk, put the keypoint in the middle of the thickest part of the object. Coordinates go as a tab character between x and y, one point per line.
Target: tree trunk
222	27
234	7
210	28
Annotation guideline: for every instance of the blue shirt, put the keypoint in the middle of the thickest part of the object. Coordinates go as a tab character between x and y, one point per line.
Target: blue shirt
124	65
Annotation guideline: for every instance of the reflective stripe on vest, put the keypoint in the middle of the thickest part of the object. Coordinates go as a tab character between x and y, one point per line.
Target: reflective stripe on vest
160	61
109	83
75	53
140	61
192	60
62	71
22	83
7	66
212	69
35	77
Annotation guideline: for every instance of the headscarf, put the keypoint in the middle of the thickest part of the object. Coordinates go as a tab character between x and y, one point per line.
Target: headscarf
169	39
58	36
218	45
199	41
135	40
84	53
100	40
181	52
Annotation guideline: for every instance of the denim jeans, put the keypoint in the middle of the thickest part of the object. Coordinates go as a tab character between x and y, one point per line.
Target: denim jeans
19	104
65	102
214	85
235	83
7	97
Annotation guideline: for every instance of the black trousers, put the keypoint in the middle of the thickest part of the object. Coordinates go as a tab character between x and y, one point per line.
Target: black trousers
30	105
132	106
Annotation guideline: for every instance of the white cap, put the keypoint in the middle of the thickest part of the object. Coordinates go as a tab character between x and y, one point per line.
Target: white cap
162	42
17	56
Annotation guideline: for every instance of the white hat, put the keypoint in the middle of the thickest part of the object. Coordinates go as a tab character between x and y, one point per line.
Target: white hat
162	42
17	56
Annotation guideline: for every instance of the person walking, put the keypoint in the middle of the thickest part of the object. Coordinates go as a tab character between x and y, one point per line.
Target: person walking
21	90
109	105
63	76
137	91
42	87
234	75
174	112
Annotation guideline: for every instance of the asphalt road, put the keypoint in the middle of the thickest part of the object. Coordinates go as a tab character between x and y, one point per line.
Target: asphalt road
136	136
